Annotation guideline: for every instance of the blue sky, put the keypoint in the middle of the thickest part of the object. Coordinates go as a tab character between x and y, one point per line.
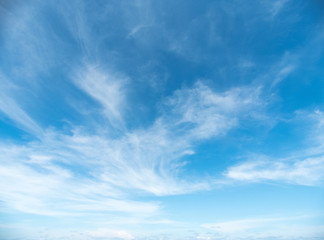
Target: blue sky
161	120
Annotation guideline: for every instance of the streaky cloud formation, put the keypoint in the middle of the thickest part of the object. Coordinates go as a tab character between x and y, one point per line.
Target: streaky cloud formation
106	89
13	111
307	171
302	167
80	172
161	120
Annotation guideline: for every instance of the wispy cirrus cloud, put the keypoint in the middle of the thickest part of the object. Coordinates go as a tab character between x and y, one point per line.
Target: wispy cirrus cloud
44	188
107	89
10	108
283	73
96	170
73	177
304	167
286	66
277	6
206	113
307	171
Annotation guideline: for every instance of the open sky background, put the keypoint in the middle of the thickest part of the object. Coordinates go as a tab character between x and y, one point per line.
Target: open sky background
161	120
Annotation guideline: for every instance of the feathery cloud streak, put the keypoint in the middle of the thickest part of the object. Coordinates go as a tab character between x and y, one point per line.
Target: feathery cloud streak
81	172
136	119
304	167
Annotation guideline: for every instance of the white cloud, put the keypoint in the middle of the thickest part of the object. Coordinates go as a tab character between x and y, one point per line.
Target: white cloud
309	171
245	64
41	186
204	113
107	89
241	225
81	173
268	227
135	30
303	167
12	110
108	234
283	73
286	65
277	6
36	232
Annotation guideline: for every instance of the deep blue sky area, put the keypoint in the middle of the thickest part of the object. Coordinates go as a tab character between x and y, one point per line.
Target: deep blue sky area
161	120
